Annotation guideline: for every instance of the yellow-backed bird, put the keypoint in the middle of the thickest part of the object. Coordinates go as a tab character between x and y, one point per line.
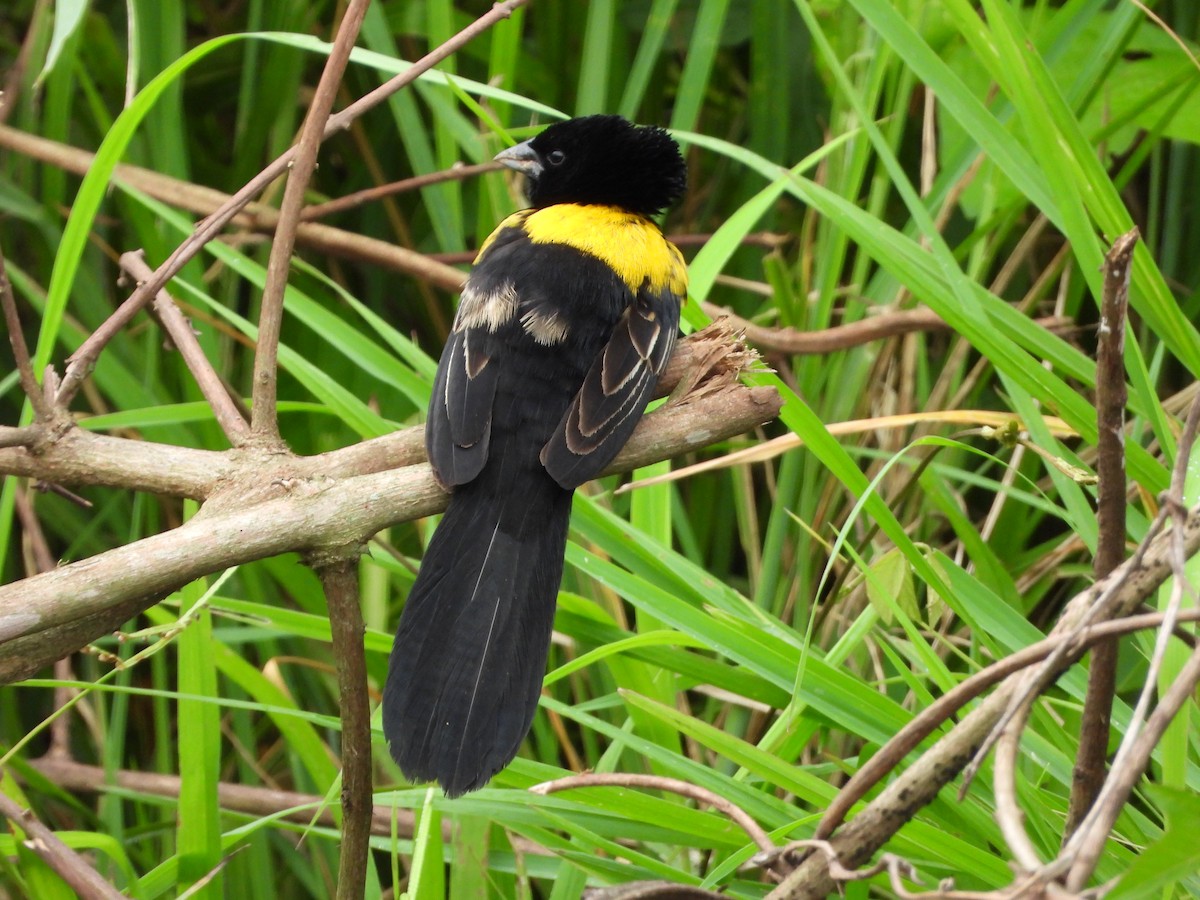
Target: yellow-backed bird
565	324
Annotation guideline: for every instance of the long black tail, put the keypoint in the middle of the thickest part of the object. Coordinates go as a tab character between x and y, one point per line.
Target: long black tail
470	653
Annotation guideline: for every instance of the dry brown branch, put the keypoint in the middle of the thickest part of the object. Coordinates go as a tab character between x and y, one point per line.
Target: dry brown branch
81	361
16	338
852	334
25	436
264	421
69	865
81	457
457	172
1110	515
226	412
339	577
1084	848
930	717
262	504
207	201
661	783
1117	787
1118	595
10	91
248	800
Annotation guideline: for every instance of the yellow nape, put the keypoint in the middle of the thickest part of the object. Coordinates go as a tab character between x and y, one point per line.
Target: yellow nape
632	245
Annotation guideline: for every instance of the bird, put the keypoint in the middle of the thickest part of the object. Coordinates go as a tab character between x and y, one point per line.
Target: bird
565	323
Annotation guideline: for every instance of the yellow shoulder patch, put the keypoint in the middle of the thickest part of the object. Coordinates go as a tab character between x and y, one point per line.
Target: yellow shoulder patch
631	245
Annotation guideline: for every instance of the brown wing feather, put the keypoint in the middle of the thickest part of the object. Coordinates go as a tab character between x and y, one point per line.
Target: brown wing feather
615	391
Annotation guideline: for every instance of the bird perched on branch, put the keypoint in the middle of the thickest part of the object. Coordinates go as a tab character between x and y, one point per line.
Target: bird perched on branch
566	322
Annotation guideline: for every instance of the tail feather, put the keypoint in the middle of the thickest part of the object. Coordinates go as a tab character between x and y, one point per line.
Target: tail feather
470	653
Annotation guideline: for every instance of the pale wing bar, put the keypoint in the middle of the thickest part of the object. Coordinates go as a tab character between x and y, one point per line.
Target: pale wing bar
614	393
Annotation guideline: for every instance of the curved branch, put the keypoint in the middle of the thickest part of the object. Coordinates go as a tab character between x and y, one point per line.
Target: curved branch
1118	595
81	457
263	511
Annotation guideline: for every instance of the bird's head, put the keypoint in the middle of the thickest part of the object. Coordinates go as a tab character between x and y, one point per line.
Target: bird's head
601	160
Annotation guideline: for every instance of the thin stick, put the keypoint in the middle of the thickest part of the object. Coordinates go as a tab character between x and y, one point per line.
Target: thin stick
226	412
81	361
264	419
852	334
258	216
660	783
1122	779
340	579
923	724
1110	513
69	865
1086	844
16	337
456	172
249	800
921	782
1009	816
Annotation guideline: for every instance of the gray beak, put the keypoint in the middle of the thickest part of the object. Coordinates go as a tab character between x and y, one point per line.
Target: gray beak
523	158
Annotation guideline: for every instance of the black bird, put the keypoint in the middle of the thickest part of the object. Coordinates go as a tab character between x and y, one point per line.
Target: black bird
566	322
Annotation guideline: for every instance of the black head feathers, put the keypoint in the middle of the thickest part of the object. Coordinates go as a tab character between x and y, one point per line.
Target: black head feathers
601	160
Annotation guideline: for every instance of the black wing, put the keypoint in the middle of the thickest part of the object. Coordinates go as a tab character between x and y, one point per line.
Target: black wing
615	391
460	410
458	428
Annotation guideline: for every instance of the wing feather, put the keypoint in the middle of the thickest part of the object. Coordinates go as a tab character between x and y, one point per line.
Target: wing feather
615	391
460	411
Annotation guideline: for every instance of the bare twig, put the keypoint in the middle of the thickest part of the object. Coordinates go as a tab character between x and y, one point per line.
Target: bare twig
837	871
1009	816
238	798
1121	780
1078	616
16	338
69	865
1084	848
852	334
340	579
1110	513
81	361
227	414
207	201
264	422
920	783
10	90
930	717
661	783
456	172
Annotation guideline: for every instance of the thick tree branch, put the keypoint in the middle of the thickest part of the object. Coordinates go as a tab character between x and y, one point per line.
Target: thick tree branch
50	615
83	458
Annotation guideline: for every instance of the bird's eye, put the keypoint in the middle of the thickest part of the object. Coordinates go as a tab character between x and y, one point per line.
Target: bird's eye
556	157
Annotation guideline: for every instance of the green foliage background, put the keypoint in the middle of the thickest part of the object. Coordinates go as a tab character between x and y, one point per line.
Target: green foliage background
758	630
